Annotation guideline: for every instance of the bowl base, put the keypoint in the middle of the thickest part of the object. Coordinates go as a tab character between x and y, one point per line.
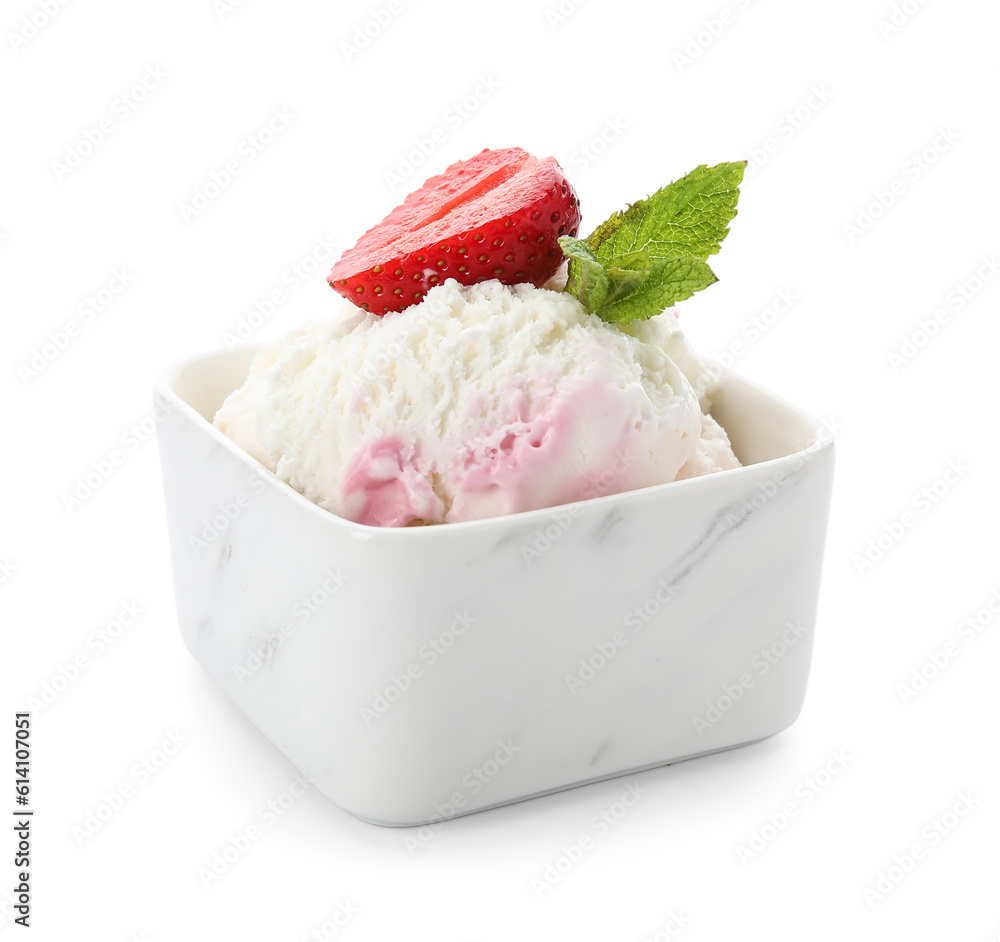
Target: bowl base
552	791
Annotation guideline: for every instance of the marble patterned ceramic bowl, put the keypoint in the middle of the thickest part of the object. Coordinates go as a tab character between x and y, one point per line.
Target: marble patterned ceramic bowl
418	673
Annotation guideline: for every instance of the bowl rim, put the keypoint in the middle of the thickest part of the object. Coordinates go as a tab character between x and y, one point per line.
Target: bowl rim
163	389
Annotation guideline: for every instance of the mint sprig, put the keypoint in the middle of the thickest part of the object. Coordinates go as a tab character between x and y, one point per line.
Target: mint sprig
652	255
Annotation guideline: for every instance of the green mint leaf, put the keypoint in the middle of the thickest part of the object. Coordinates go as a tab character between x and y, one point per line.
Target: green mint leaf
588	282
639	295
688	217
623	282
653	254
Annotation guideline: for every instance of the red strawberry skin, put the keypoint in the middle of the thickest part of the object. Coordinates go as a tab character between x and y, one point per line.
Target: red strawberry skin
497	215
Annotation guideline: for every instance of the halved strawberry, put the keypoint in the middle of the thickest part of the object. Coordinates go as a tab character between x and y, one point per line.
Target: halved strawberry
497	215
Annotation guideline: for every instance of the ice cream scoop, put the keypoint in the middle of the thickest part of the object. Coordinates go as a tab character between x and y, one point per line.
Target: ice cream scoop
481	401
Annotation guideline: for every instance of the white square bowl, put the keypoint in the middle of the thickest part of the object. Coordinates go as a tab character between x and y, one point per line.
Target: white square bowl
418	673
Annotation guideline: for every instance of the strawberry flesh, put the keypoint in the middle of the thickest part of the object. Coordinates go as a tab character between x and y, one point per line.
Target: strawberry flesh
497	215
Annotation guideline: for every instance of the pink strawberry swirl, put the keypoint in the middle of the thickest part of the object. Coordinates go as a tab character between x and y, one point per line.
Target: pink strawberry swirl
590	438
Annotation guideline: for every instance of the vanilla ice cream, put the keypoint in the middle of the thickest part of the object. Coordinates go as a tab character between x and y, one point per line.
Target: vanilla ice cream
480	401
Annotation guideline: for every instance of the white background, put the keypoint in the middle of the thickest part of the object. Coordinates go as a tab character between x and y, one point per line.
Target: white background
856	114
